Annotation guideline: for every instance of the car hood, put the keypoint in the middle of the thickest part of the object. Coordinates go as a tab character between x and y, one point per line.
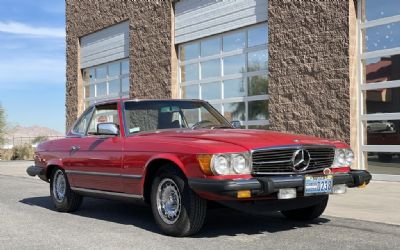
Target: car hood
249	139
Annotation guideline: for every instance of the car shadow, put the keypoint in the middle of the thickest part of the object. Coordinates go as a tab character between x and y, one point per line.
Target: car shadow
220	221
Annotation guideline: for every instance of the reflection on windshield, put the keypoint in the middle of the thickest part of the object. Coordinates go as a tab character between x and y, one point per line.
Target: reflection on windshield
156	115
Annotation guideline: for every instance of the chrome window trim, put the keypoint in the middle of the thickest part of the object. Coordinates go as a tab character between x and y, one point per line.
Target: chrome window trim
90	110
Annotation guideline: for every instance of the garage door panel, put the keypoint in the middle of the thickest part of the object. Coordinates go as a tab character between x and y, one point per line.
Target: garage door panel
197	19
105	45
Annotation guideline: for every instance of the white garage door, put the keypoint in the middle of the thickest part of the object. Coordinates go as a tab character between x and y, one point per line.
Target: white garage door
200	18
106	45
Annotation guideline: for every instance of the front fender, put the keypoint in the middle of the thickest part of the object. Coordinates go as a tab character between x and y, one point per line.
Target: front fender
166	156
51	164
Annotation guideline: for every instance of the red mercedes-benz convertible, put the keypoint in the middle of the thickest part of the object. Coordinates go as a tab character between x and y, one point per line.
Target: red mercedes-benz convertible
177	155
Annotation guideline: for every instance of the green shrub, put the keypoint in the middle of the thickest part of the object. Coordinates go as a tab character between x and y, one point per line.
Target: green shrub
22	152
6	154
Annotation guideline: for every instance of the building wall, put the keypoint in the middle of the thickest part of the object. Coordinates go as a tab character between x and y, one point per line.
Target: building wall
149	48
309	82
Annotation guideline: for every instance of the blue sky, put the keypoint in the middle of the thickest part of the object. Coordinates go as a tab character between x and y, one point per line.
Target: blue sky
32	62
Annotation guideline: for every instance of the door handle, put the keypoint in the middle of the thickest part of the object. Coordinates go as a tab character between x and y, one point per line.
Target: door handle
75	148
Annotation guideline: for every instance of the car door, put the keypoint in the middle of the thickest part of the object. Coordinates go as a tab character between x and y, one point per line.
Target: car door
95	161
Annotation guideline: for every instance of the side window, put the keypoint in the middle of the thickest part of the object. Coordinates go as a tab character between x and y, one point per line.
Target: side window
103	114
81	126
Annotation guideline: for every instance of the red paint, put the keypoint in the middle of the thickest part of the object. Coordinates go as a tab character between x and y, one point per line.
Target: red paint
132	155
341	170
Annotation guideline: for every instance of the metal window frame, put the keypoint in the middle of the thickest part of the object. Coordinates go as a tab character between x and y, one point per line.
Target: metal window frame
363	86
220	79
95	82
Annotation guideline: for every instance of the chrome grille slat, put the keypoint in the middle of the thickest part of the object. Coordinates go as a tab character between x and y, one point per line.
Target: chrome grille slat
278	160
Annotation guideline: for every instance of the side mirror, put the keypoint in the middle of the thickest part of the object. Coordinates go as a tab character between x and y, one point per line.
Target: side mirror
107	128
236	124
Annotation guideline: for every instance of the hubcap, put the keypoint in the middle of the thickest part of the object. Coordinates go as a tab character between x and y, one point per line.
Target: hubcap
168	201
59	186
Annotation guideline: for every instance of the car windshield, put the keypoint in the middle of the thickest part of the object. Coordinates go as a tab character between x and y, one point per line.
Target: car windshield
155	115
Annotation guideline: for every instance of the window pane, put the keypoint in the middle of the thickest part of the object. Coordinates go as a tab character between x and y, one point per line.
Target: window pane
125	84
190	72
385	100
87	76
235	111
103	115
101	72
258	110
257	36
210	69
211	47
234	88
83	123
382	37
257	85
113	87
384	163
89	91
383	132
382	69
114	69
234	41
190	92
125	67
101	89
381	8
234	64
257	60
189	51
210	91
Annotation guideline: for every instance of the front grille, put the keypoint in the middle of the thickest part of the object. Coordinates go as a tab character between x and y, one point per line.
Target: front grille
279	160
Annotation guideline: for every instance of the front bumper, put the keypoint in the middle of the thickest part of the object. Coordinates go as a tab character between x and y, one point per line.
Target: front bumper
37	171
264	186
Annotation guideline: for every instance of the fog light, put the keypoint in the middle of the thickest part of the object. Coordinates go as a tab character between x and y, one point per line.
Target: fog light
339	189
287	193
244	194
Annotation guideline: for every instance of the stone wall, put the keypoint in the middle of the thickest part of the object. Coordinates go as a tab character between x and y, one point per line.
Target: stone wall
309	67
149	48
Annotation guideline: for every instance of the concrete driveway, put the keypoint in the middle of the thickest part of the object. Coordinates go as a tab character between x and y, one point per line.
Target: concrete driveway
28	220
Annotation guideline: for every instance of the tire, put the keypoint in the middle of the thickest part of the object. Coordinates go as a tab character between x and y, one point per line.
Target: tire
65	200
307	213
187	211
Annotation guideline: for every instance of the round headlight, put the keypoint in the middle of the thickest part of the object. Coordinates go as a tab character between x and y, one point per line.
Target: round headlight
341	159
239	165
220	165
349	157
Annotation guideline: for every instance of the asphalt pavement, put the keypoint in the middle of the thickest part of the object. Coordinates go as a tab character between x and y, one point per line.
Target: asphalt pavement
28	221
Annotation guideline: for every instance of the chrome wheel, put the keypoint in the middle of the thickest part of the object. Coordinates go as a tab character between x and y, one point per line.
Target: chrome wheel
59	186
168	201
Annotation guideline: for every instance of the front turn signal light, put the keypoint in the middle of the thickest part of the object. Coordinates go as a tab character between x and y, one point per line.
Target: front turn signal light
205	163
244	194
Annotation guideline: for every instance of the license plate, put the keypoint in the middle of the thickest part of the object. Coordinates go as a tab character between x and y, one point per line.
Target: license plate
318	184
